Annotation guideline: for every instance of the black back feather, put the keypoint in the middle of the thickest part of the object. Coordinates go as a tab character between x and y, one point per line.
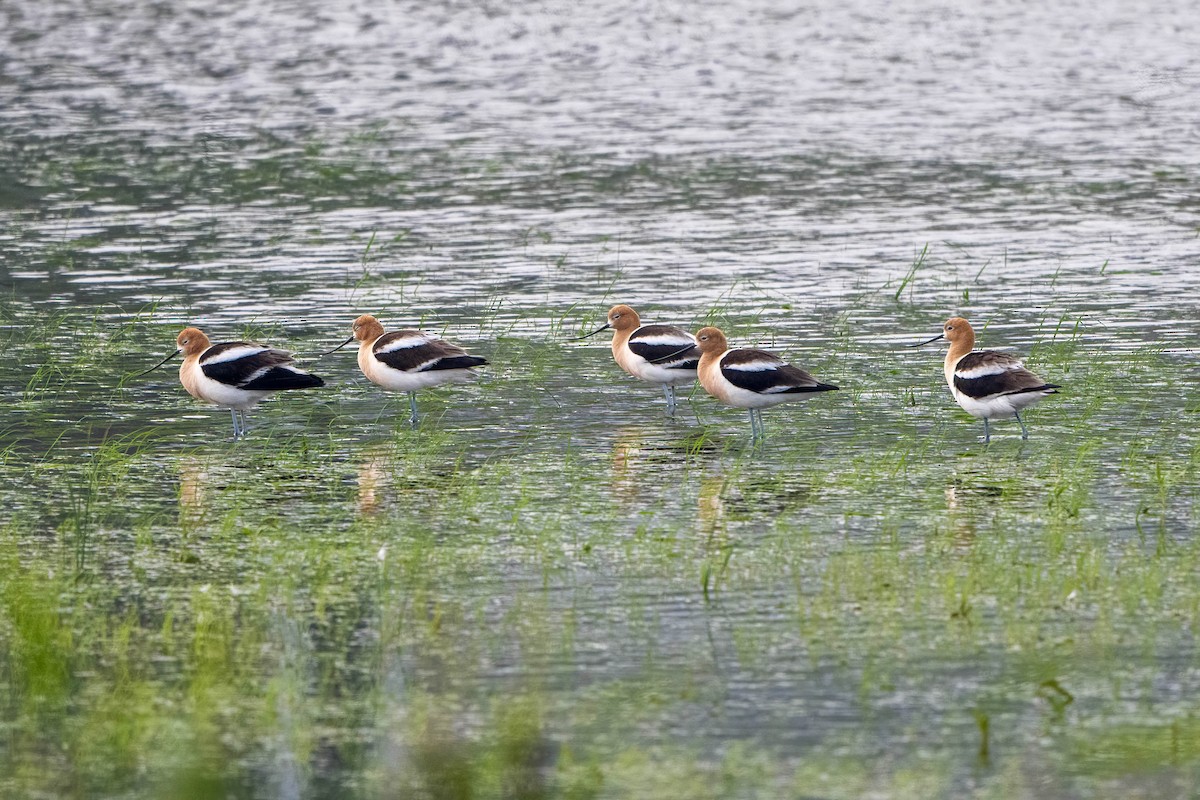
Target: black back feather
430	354
668	355
280	378
769	381
265	370
1002	383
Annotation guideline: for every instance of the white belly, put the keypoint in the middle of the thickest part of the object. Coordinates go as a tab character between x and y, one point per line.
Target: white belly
998	407
202	387
643	370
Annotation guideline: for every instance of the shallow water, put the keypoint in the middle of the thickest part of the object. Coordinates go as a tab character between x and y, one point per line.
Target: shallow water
548	590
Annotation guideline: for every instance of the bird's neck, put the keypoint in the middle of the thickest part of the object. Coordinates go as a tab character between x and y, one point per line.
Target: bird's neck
620	337
954	354
958	350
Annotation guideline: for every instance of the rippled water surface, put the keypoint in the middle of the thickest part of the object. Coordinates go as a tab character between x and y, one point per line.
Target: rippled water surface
548	589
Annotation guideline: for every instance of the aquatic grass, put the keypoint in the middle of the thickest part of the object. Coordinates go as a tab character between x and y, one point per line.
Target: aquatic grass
505	753
89	345
36	665
465	620
916	265
496	320
569	598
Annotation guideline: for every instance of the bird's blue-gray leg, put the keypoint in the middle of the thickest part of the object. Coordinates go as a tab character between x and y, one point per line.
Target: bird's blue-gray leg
669	393
987	434
412	403
1024	430
756	425
236	433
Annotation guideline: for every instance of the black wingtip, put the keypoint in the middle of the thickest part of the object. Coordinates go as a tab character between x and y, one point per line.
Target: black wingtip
459	362
302	381
1048	388
280	379
820	387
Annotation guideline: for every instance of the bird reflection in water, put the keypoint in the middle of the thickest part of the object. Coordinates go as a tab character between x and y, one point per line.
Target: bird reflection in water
374	478
629	461
965	502
193	482
710	511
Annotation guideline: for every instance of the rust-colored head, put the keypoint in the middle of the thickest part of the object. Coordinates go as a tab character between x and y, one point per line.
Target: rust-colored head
623	318
711	340
367	329
957	329
192	341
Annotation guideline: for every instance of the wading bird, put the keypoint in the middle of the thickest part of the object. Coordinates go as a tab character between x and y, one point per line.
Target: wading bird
661	354
987	384
234	375
408	360
751	379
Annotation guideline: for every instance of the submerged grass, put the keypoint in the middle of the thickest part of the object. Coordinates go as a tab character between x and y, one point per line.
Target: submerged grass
549	591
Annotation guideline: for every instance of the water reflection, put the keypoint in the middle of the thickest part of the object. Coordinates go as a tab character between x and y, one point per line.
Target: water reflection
968	502
626	461
193	490
962	524
374	478
710	506
640	455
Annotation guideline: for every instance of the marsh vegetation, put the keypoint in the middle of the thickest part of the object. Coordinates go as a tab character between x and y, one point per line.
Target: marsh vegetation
548	589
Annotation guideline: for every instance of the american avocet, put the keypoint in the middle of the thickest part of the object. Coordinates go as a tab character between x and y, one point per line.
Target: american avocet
406	361
987	384
661	354
751	379
234	375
